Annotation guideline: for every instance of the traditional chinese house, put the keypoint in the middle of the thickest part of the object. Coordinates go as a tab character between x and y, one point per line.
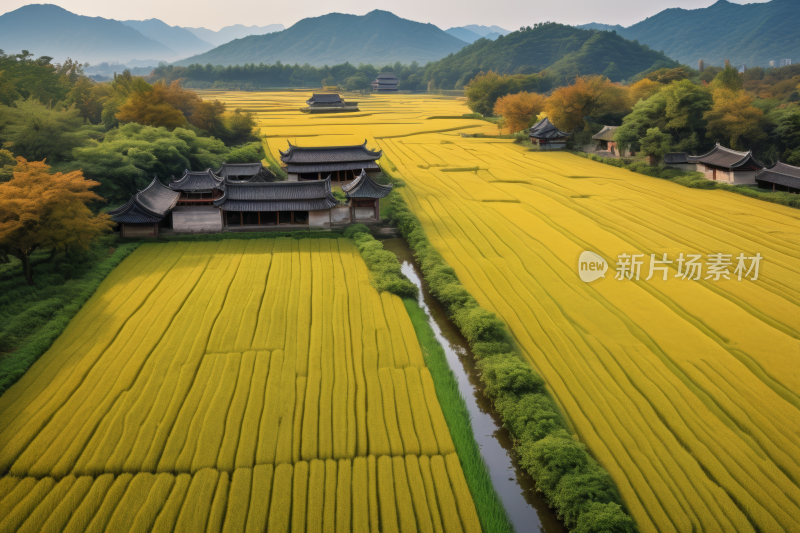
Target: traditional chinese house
781	177
720	164
282	203
605	138
341	163
386	82
197	188
146	210
365	195
245	172
547	136
328	103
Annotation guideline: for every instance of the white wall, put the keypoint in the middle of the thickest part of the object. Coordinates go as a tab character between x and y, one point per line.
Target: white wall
319	219
740	177
293	177
340	214
365	213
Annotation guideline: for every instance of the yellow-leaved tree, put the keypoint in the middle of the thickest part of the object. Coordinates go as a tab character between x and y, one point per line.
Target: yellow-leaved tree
734	119
43	210
642	90
589	96
518	109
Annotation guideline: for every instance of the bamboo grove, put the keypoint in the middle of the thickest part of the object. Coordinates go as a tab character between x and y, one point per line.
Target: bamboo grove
686	392
229	386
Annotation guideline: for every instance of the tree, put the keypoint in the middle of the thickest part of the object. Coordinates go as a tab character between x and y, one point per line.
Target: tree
729	79
519	109
788	131
151	108
734	119
43	210
589	96
642	90
656	143
484	89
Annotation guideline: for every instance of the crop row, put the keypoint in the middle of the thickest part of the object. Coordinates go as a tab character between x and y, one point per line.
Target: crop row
401	493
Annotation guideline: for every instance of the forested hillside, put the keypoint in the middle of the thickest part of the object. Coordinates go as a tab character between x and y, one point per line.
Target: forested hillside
563	51
753	33
379	37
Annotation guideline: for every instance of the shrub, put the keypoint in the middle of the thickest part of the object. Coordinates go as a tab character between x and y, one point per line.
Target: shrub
507	373
383	265
355	228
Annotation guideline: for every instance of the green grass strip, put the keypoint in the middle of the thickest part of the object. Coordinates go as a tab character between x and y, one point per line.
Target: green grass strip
488	504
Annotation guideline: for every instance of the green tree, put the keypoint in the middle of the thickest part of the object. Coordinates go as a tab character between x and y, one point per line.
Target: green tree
729	78
656	143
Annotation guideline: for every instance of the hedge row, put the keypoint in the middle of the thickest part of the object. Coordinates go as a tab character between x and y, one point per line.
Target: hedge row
695	180
383	264
575	485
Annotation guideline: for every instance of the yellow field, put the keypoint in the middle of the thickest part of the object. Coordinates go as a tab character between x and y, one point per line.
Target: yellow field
228	386
688	393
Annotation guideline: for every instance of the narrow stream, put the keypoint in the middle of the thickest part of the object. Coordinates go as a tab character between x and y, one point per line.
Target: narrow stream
526	508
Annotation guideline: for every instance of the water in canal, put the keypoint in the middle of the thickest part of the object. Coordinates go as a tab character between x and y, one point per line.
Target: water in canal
526	508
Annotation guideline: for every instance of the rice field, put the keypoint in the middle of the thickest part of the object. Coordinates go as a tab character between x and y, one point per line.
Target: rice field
687	392
229	386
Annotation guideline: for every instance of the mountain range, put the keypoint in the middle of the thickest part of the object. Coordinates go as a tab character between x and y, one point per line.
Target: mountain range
379	38
751	34
473	32
237	31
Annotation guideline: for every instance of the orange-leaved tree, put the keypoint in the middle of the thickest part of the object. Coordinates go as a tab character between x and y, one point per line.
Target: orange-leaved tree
43	210
588	96
518	109
642	90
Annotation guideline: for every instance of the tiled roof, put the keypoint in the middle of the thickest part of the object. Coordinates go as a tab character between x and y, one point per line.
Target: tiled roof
324	98
365	187
306	155
781	174
544	129
278	196
148	206
331	167
606	134
196	181
676	158
726	158
239	170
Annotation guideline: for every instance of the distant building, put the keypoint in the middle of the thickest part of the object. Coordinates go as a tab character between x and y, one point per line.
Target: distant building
701	66
742	69
781	177
727	63
547	136
386	82
720	164
342	163
146	211
786	62
328	103
606	139
772	63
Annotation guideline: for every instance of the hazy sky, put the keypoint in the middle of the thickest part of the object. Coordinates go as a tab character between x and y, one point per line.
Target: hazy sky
508	14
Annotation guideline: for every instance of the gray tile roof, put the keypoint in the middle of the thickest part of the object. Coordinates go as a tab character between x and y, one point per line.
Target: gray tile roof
606	134
676	158
365	187
239	170
781	174
278	196
307	155
196	181
148	206
544	129
324	98
331	167
726	158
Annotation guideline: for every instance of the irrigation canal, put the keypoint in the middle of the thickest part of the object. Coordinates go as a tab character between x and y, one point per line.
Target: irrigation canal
526	508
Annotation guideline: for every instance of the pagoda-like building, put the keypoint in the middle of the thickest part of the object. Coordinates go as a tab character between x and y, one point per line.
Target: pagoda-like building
286	203
341	163
547	136
146	211
781	177
245	172
365	195
328	103
720	164
386	82
197	188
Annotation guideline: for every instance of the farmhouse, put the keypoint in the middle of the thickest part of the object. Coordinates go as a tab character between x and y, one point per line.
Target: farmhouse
781	177
197	188
329	103
606	139
386	82
146	210
365	195
341	163
720	164
547	136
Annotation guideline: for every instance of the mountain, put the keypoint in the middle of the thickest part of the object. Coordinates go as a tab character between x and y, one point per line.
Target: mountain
45	29
601	27
229	33
484	31
379	38
464	34
563	51
753	34
183	41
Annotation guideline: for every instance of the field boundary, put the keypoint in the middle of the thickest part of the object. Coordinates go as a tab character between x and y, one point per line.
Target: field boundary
573	482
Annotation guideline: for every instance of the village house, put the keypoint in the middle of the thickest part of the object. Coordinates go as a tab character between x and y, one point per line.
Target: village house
385	82
605	138
720	164
781	177
547	136
146	211
329	103
365	194
342	163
